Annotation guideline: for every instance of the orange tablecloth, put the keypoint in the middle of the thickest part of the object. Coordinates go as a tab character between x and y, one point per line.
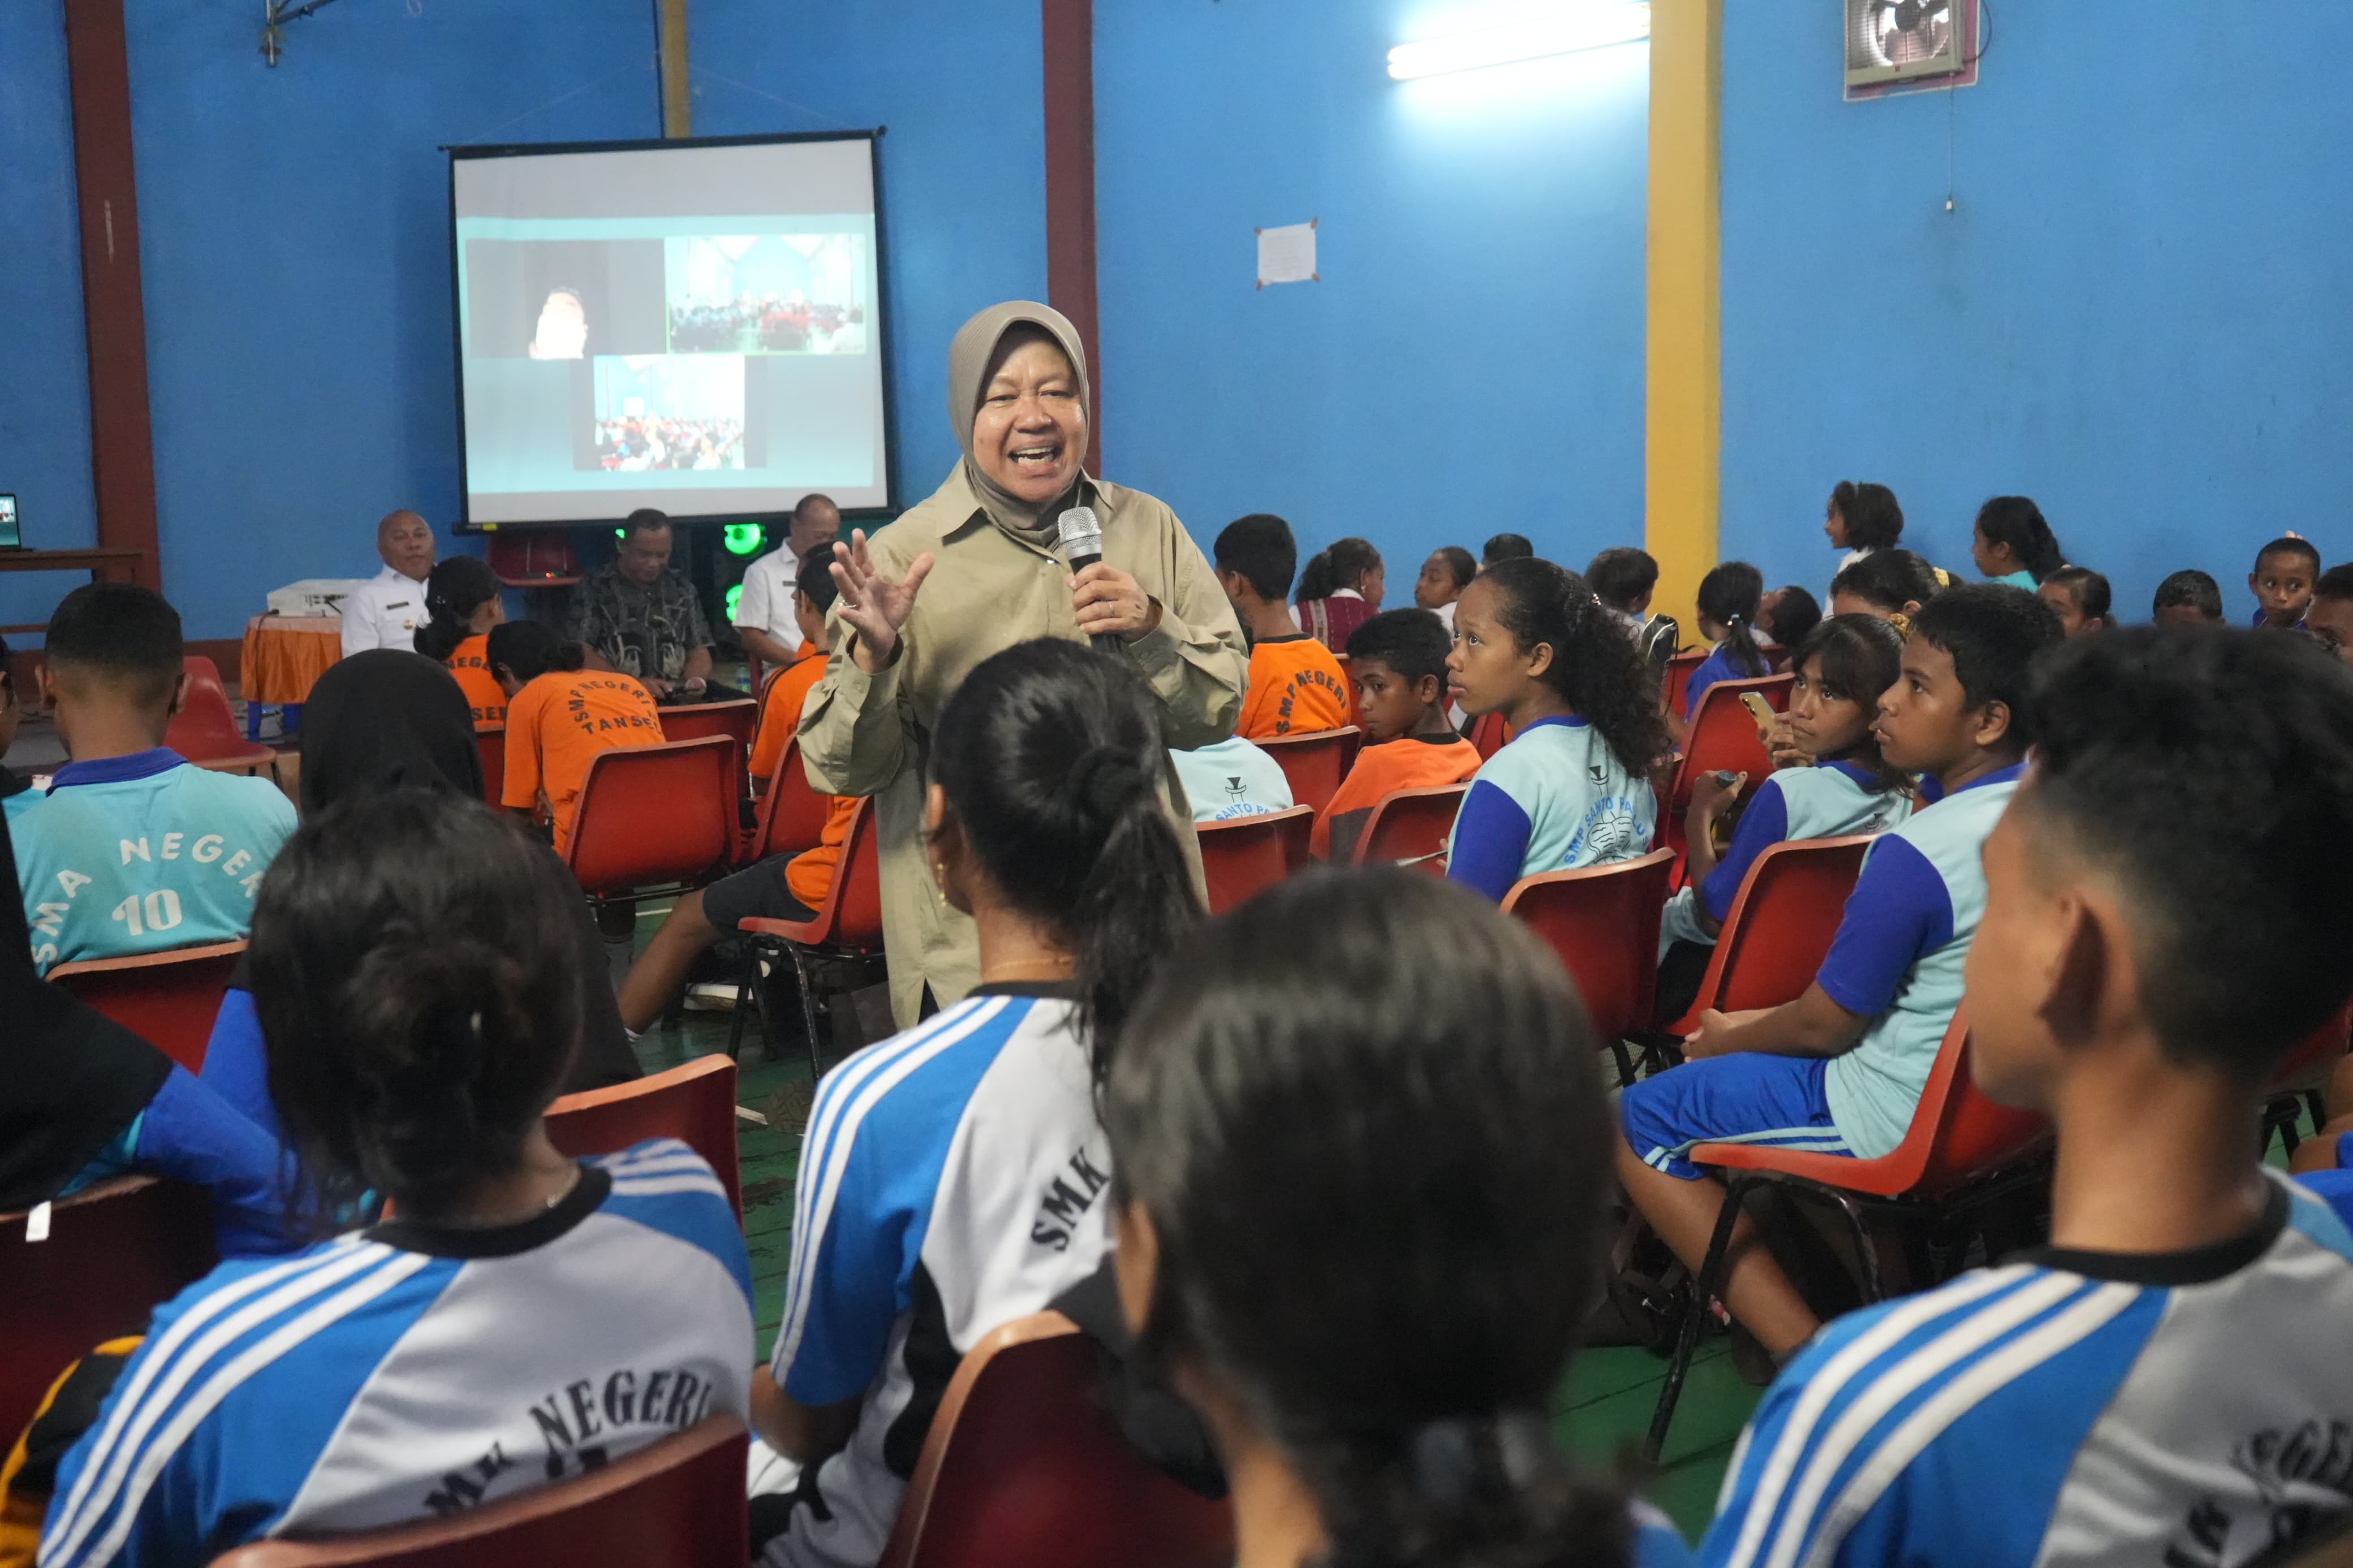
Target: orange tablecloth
284	655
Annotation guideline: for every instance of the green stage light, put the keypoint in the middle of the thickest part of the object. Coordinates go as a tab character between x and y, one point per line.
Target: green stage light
620	534
742	538
734	596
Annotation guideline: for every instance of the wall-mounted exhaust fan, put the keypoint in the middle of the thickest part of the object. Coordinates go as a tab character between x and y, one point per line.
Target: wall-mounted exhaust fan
1892	41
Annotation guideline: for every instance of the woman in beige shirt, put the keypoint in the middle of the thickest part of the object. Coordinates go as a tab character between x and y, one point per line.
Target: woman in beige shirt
971	571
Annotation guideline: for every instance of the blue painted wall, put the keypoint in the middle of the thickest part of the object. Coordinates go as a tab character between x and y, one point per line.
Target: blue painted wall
1472	361
2135	312
959	85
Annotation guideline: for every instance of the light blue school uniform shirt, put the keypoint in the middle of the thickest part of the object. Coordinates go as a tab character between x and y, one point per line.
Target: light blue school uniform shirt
1828	800
2082	1409
1232	778
2016	580
1898	955
142	853
1555	799
412	1371
13	806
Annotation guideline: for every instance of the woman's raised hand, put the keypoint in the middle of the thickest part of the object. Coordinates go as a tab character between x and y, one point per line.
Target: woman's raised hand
873	604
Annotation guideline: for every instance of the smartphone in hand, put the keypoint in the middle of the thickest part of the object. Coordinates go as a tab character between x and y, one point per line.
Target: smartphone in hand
1762	711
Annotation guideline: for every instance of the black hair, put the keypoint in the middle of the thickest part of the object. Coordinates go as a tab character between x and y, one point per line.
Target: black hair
1795	615
528	650
7	680
1506	547
1993	633
1336	566
2190	589
2289	544
122	632
1622	575
814	579
1378	1191
1458	563
1874	520
1413	642
2337	582
416	968
454	590
1261	548
2086	587
1888	579
645	520
1051	757
1729	595
2212	776
1596	668
1862	656
2018	522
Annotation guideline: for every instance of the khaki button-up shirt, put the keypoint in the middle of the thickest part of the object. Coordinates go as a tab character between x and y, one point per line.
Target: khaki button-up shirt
869	735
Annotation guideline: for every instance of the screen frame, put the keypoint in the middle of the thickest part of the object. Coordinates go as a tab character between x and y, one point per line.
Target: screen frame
890	506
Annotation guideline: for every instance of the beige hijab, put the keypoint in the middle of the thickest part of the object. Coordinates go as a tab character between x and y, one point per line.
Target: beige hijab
969	356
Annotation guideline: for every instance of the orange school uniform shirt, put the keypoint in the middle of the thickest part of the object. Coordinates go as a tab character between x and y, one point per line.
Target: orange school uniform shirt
1295	688
1402	764
780	711
808	876
470	661
555	726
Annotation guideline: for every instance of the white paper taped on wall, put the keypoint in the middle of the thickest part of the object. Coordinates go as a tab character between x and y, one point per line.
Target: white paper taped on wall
1287	255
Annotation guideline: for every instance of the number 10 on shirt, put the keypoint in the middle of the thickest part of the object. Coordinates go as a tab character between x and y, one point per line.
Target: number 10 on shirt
161	907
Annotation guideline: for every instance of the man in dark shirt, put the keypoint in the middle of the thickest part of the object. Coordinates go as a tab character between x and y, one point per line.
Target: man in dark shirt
636	615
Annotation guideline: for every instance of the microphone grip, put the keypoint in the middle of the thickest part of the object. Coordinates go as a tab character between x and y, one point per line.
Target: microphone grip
1106	641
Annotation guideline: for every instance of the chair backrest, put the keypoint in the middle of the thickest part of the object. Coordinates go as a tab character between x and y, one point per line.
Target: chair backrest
677	1503
205	729
1957	1134
1723	735
1315	763
115	1252
492	741
852	914
1410	825
1603	922
692	721
792	814
1024	1468
1677	676
1243	853
651	814
169	999
1780	926
1488	734
536	558
693	1103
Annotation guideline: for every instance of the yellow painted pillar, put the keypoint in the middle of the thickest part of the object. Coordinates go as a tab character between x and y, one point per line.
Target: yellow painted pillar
1682	414
677	98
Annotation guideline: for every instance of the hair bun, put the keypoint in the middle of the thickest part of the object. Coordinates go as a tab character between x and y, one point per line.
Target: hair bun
1107	783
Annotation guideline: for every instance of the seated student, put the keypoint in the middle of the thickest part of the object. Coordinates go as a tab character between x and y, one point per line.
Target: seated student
2166	1381
1839	1070
955	1175
1295	684
1847	786
2079	597
1623	579
2187	600
786	693
1728	598
1443	577
526	1317
1234	777
1787	615
2331	611
559	716
1572	787
1399	659
2012	544
1413	1149
462	596
17	791
1889	583
1506	547
1861	518
2281	582
135	849
1339	590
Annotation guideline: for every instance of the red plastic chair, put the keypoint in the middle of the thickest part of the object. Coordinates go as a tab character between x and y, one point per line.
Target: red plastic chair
693	1103
533	559
1603	922
842	938
115	1252
1779	927
1723	736
791	814
205	729
168	999
656	818
1962	1152
1489	733
677	1503
1315	763
1024	1468
492	741
1243	853
692	721
1411	826
1676	677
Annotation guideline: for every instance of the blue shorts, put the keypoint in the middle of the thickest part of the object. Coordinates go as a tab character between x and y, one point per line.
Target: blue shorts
1746	1098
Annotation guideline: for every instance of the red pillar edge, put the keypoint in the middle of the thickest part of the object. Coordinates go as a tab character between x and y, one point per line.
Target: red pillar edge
1069	28
121	446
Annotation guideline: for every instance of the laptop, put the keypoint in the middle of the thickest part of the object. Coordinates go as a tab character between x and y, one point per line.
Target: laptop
10	538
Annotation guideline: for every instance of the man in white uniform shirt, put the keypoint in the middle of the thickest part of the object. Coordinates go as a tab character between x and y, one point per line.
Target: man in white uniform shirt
764	613
390	607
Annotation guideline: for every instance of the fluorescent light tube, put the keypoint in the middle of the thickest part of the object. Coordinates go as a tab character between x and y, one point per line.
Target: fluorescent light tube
1586	27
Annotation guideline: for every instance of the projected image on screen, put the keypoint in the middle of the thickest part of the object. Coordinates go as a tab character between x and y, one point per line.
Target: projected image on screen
635	330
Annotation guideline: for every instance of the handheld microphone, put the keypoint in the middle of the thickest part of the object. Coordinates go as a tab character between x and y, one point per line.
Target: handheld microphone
1081	540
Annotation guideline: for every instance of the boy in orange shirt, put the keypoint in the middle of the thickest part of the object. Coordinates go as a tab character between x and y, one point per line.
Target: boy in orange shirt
1295	684
787	690
1400	659
559	716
